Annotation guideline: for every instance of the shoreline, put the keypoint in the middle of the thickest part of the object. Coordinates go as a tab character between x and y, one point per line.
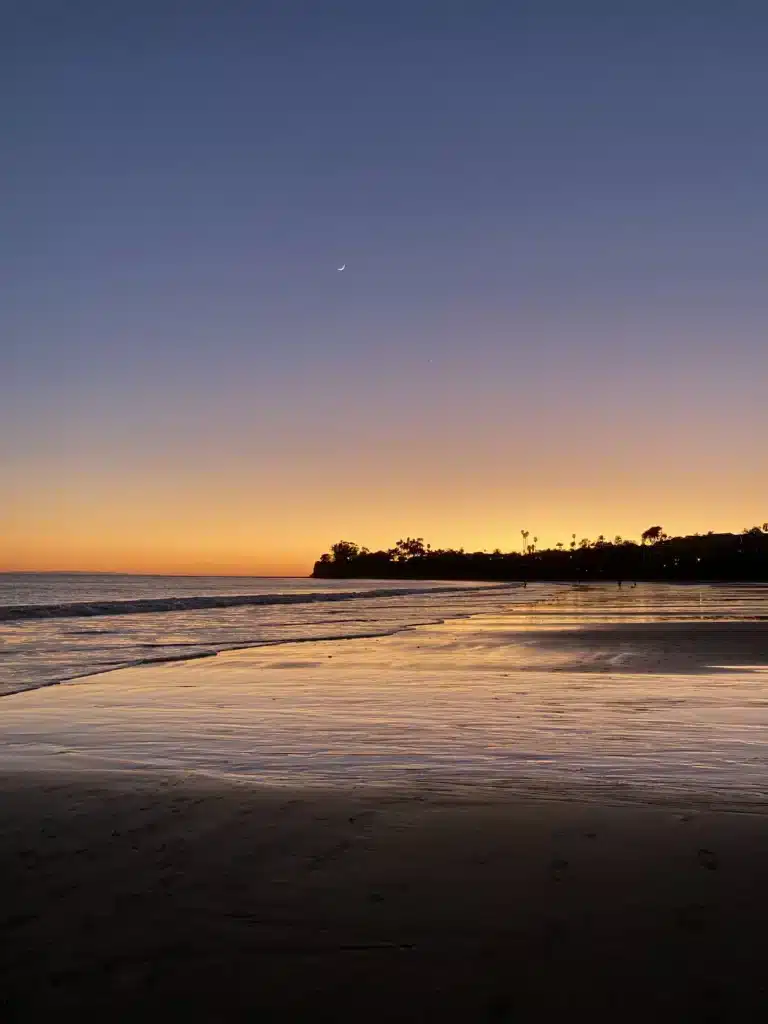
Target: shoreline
171	613
225	647
605	694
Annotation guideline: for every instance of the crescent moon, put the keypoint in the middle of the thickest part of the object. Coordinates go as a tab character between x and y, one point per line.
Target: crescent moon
341	267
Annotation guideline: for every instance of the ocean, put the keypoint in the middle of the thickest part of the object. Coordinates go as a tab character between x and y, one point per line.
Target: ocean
60	626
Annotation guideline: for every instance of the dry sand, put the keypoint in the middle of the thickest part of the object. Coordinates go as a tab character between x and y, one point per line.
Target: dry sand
136	896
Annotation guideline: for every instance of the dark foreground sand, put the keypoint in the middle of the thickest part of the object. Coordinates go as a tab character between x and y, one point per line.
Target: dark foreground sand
156	898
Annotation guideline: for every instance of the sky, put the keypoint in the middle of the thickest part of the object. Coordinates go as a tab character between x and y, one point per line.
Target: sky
554	312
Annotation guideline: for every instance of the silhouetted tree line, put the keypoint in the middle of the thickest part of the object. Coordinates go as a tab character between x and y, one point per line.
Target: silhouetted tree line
711	556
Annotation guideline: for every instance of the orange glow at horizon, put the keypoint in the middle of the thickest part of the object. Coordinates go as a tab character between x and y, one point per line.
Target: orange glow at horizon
467	458
103	524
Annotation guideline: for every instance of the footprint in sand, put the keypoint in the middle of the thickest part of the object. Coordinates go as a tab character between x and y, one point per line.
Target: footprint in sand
693	917
499	1008
558	869
708	860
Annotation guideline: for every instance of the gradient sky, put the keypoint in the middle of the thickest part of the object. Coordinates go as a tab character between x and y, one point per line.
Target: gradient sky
554	315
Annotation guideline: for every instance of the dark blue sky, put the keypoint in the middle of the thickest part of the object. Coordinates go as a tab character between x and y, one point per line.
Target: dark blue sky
553	216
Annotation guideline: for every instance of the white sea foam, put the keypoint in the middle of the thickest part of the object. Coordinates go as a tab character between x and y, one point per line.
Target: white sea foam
59	627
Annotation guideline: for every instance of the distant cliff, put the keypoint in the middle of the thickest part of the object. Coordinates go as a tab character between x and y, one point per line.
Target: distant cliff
712	556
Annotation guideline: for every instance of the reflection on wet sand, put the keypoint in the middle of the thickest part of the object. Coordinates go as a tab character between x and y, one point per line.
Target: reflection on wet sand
615	691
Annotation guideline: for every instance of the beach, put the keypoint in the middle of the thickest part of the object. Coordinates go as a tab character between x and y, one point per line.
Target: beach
556	808
134	895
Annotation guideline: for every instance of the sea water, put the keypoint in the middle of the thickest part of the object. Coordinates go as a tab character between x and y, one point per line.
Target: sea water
60	626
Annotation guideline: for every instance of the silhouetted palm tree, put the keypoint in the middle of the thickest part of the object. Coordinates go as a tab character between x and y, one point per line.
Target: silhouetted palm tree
525	540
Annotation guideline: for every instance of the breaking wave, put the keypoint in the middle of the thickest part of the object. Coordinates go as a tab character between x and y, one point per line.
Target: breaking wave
90	609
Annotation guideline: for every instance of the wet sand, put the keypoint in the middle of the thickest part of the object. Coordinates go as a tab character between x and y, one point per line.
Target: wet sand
654	690
131	894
